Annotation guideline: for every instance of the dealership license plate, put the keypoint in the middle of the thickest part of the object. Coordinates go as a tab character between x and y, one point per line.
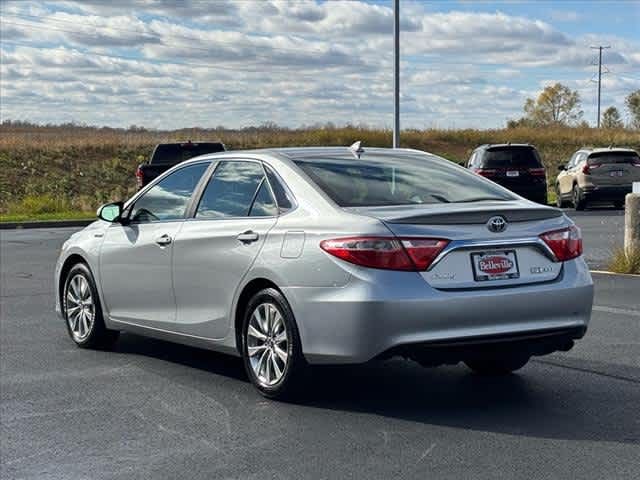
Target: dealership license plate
495	265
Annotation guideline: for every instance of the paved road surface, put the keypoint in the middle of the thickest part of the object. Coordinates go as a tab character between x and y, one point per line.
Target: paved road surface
603	230
151	409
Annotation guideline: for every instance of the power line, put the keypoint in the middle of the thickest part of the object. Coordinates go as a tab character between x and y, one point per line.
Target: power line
600	48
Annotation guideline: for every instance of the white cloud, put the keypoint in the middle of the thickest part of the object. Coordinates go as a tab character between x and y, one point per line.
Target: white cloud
169	64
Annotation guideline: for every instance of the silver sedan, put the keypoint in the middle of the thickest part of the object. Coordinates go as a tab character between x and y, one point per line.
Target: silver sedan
291	257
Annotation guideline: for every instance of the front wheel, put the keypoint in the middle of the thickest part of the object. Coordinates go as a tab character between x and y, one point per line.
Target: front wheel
496	365
82	310
559	202
579	203
271	347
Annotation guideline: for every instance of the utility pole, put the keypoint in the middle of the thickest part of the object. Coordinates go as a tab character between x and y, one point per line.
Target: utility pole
599	48
396	73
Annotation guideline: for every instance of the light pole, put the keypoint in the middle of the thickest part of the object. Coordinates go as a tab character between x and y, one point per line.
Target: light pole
396	73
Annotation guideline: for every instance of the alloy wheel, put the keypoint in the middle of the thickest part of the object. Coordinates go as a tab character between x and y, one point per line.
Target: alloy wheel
79	307
267	344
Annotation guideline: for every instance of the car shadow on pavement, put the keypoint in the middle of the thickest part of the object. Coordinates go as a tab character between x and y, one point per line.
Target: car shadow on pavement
541	400
538	401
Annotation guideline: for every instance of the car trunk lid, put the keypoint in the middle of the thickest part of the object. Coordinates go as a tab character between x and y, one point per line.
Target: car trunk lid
477	257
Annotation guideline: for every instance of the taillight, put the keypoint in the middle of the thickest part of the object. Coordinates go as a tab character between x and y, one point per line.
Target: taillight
537	172
487	172
586	169
139	177
565	244
389	253
636	163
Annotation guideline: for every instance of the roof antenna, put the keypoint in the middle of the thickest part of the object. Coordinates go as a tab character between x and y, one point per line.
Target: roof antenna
356	149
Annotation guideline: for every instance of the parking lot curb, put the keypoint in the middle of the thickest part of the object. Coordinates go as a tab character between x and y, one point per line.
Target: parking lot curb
45	224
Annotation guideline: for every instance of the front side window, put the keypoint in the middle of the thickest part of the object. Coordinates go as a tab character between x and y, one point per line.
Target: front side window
377	180
168	199
236	189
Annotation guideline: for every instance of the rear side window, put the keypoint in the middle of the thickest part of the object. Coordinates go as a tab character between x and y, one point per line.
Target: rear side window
283	197
613	157
377	180
231	192
504	157
263	205
168	199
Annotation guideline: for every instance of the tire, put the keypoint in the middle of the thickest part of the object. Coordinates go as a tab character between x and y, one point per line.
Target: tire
263	347
496	365
88	331
559	202
579	203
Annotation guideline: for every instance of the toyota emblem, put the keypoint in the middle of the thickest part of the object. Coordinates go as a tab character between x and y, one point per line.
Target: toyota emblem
497	224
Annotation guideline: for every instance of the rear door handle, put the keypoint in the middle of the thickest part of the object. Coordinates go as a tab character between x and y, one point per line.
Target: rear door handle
163	240
248	236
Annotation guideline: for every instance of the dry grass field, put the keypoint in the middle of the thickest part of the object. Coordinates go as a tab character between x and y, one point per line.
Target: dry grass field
68	170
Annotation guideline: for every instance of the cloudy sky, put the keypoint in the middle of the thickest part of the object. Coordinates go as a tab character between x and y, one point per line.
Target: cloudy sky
169	63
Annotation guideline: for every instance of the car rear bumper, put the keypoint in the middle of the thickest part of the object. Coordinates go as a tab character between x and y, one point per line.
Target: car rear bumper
382	312
605	192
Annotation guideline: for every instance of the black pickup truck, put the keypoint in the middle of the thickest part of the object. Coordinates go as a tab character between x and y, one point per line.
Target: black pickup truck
166	155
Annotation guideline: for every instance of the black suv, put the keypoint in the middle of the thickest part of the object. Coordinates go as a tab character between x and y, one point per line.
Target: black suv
515	166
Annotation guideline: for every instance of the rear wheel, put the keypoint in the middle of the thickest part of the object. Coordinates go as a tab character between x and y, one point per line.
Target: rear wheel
82	311
579	203
496	365
271	347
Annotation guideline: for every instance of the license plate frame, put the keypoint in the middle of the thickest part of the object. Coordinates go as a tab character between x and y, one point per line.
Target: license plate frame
513	173
481	276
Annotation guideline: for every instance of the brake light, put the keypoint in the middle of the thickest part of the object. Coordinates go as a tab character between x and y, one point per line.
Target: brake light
586	169
636	163
537	172
487	172
389	253
565	244
139	176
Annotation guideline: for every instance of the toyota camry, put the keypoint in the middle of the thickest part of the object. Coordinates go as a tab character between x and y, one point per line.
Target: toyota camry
300	256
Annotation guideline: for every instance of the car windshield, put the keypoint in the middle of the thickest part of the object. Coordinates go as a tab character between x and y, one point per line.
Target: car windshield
510	156
377	180
613	157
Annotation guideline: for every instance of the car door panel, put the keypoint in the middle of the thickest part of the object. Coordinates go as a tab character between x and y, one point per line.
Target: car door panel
209	261
216	248
135	273
136	254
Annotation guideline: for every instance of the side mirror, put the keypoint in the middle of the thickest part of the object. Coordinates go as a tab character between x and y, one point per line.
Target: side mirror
562	168
110	212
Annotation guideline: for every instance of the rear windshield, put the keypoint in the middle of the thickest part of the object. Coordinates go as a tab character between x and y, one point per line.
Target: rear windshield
408	180
504	157
613	157
179	152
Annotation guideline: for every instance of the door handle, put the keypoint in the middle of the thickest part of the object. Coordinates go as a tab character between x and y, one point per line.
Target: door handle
163	240
248	236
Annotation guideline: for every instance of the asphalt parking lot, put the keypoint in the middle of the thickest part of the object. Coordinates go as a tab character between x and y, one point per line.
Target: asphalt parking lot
151	409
